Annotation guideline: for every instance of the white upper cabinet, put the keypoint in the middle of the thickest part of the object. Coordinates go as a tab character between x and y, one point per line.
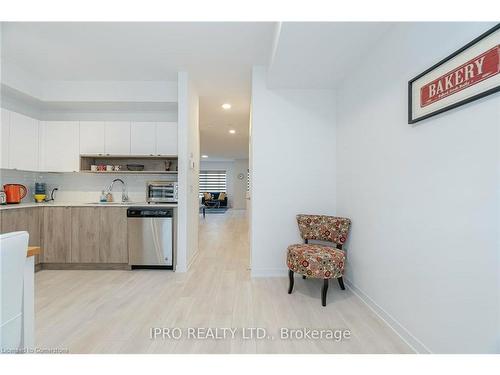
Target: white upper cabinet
56	146
117	138
59	144
23	142
4	138
166	138
92	137
143	138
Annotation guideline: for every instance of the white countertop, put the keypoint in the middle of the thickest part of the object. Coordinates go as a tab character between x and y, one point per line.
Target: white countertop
83	204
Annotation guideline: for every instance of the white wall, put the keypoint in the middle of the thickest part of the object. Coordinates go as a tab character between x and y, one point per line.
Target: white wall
423	199
19	79
240	186
96	101
293	167
189	152
105	113
236	189
109	91
88	91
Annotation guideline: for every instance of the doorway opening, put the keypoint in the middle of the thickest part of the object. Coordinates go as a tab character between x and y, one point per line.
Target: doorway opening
224	185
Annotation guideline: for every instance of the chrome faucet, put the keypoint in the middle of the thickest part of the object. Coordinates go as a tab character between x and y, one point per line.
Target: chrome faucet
124	189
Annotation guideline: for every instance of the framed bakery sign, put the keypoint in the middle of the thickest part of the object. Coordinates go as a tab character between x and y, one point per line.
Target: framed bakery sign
469	74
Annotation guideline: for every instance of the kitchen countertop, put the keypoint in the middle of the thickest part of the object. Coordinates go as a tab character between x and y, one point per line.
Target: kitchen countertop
33	250
83	204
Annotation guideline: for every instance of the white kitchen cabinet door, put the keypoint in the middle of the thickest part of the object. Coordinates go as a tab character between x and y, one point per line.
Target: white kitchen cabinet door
117	138
143	138
23	142
166	138
59	146
4	138
92	137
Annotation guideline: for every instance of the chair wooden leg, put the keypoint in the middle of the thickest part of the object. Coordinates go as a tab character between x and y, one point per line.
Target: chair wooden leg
303	277
323	292
341	283
290	277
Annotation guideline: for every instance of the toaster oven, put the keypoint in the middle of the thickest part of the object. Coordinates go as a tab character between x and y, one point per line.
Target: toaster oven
161	192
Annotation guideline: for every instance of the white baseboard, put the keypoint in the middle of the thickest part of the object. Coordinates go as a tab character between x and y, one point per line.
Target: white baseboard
180	268
193	259
397	327
415	344
269	272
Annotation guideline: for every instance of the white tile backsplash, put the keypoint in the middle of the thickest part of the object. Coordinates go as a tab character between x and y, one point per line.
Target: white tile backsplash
82	187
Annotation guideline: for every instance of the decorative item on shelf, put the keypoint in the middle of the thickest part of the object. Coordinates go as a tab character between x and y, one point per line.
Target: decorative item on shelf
101	168
168	164
118	168
93	168
109	168
135	167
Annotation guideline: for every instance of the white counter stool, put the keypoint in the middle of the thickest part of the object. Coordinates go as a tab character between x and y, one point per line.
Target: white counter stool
13	250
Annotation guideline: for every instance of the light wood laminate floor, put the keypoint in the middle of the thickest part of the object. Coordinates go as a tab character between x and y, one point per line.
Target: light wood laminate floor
114	311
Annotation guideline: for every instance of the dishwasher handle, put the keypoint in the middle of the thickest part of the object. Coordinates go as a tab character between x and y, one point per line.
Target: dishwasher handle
150	212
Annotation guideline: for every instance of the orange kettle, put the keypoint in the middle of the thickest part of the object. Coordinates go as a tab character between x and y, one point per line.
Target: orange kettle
15	192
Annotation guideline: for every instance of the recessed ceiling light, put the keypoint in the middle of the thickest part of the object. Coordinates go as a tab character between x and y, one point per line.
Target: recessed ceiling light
204	156
226	106
232	131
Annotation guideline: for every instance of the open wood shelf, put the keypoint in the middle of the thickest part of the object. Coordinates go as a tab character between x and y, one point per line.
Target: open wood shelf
153	164
107	156
133	172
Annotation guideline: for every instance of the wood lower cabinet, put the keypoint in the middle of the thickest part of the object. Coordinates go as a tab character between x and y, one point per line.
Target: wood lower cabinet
23	219
78	235
85	234
56	234
99	235
113	243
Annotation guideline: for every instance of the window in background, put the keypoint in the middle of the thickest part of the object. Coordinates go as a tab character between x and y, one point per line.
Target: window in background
212	182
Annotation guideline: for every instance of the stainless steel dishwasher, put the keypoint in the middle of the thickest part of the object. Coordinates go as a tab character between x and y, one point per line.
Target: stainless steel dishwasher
150	237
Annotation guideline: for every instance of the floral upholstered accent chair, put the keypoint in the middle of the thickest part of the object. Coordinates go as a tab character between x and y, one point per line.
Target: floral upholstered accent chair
315	260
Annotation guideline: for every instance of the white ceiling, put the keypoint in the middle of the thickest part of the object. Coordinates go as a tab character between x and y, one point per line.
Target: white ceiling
215	123
317	55
218	56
